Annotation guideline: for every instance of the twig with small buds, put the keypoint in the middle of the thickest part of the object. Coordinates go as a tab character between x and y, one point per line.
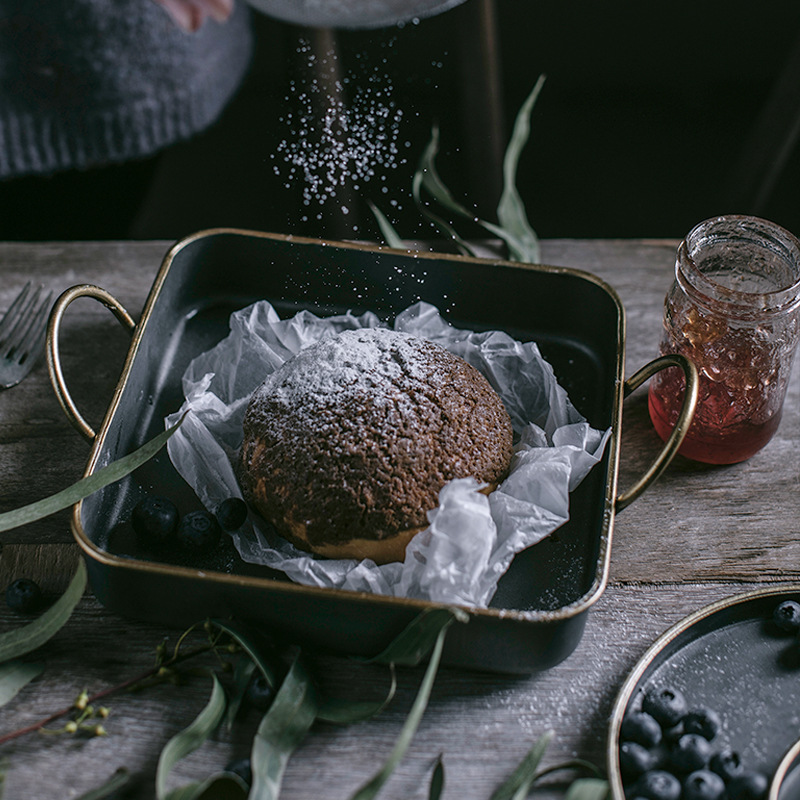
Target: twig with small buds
85	702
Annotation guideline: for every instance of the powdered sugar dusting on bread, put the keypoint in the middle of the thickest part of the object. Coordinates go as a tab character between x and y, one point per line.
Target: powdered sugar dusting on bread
352	363
355	435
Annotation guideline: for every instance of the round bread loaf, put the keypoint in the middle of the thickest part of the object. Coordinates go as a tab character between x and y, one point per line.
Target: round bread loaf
347	444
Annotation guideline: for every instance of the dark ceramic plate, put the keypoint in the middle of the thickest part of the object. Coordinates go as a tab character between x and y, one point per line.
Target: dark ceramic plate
732	658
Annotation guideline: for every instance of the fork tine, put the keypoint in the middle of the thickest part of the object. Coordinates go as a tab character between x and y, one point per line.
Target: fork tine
23	323
14	311
31	344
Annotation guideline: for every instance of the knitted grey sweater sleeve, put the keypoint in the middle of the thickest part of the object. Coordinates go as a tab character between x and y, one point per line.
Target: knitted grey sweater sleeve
91	82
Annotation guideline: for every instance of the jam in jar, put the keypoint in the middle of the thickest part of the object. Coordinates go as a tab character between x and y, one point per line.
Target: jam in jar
734	311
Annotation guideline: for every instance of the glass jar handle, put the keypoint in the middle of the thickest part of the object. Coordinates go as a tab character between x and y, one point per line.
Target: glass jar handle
675	438
54	354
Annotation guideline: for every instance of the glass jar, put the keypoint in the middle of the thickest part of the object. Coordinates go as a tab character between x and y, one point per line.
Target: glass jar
733	310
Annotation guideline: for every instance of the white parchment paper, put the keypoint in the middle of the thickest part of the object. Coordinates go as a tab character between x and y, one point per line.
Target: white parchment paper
471	538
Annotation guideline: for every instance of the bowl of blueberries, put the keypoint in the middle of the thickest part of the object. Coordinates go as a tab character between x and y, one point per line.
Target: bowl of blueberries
712	709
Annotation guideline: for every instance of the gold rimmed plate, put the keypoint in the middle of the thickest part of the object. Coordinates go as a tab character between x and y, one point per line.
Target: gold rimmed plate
730	657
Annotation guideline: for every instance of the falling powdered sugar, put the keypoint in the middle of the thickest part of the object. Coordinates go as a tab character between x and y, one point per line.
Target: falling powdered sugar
338	141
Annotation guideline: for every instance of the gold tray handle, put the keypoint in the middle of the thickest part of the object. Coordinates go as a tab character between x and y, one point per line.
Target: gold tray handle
54	355
675	439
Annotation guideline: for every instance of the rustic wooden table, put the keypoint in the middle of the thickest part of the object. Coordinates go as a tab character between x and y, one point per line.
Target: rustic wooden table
699	534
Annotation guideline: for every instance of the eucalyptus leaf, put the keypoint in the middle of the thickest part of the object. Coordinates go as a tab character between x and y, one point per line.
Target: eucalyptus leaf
187	741
19	641
119	780
14	675
427	177
282	729
83	488
511	210
518	784
437	780
346	712
242	675
414	642
392	237
375	784
587	789
256	647
223	786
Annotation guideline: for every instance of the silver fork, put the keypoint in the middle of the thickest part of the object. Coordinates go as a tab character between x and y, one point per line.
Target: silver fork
22	333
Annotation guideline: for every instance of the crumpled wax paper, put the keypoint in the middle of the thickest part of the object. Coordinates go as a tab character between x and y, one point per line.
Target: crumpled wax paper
471	538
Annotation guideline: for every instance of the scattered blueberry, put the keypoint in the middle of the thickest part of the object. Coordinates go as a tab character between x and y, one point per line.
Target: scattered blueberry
634	759
658	784
749	785
727	764
703	785
667	706
691	752
242	768
787	616
155	519
199	530
24	595
703	721
639	727
259	693
231	513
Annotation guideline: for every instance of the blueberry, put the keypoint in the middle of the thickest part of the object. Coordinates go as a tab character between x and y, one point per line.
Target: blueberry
703	721
727	764
703	785
634	759
658	784
667	706
259	693
155	519
199	530
640	728
231	513
24	595
749	785
787	616
691	752
242	768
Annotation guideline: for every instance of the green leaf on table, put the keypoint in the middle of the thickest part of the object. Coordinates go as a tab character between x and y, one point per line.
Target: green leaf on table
222	786
376	783
242	675
187	741
282	729
522	240
262	654
83	488
14	675
415	641
437	780
427	177
345	712
587	789
517	786
19	641
119	780
392	237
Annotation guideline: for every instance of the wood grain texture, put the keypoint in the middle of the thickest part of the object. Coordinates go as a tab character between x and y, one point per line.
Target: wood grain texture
699	534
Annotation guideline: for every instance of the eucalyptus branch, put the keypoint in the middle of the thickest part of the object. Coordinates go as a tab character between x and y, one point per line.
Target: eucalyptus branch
153	672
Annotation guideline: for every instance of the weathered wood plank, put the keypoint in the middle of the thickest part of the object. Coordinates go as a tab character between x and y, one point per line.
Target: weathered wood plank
482	724
699	534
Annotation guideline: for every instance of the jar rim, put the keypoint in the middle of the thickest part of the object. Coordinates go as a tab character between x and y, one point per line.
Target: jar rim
740	303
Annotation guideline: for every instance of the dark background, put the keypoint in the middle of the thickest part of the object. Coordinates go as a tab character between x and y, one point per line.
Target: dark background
645	126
